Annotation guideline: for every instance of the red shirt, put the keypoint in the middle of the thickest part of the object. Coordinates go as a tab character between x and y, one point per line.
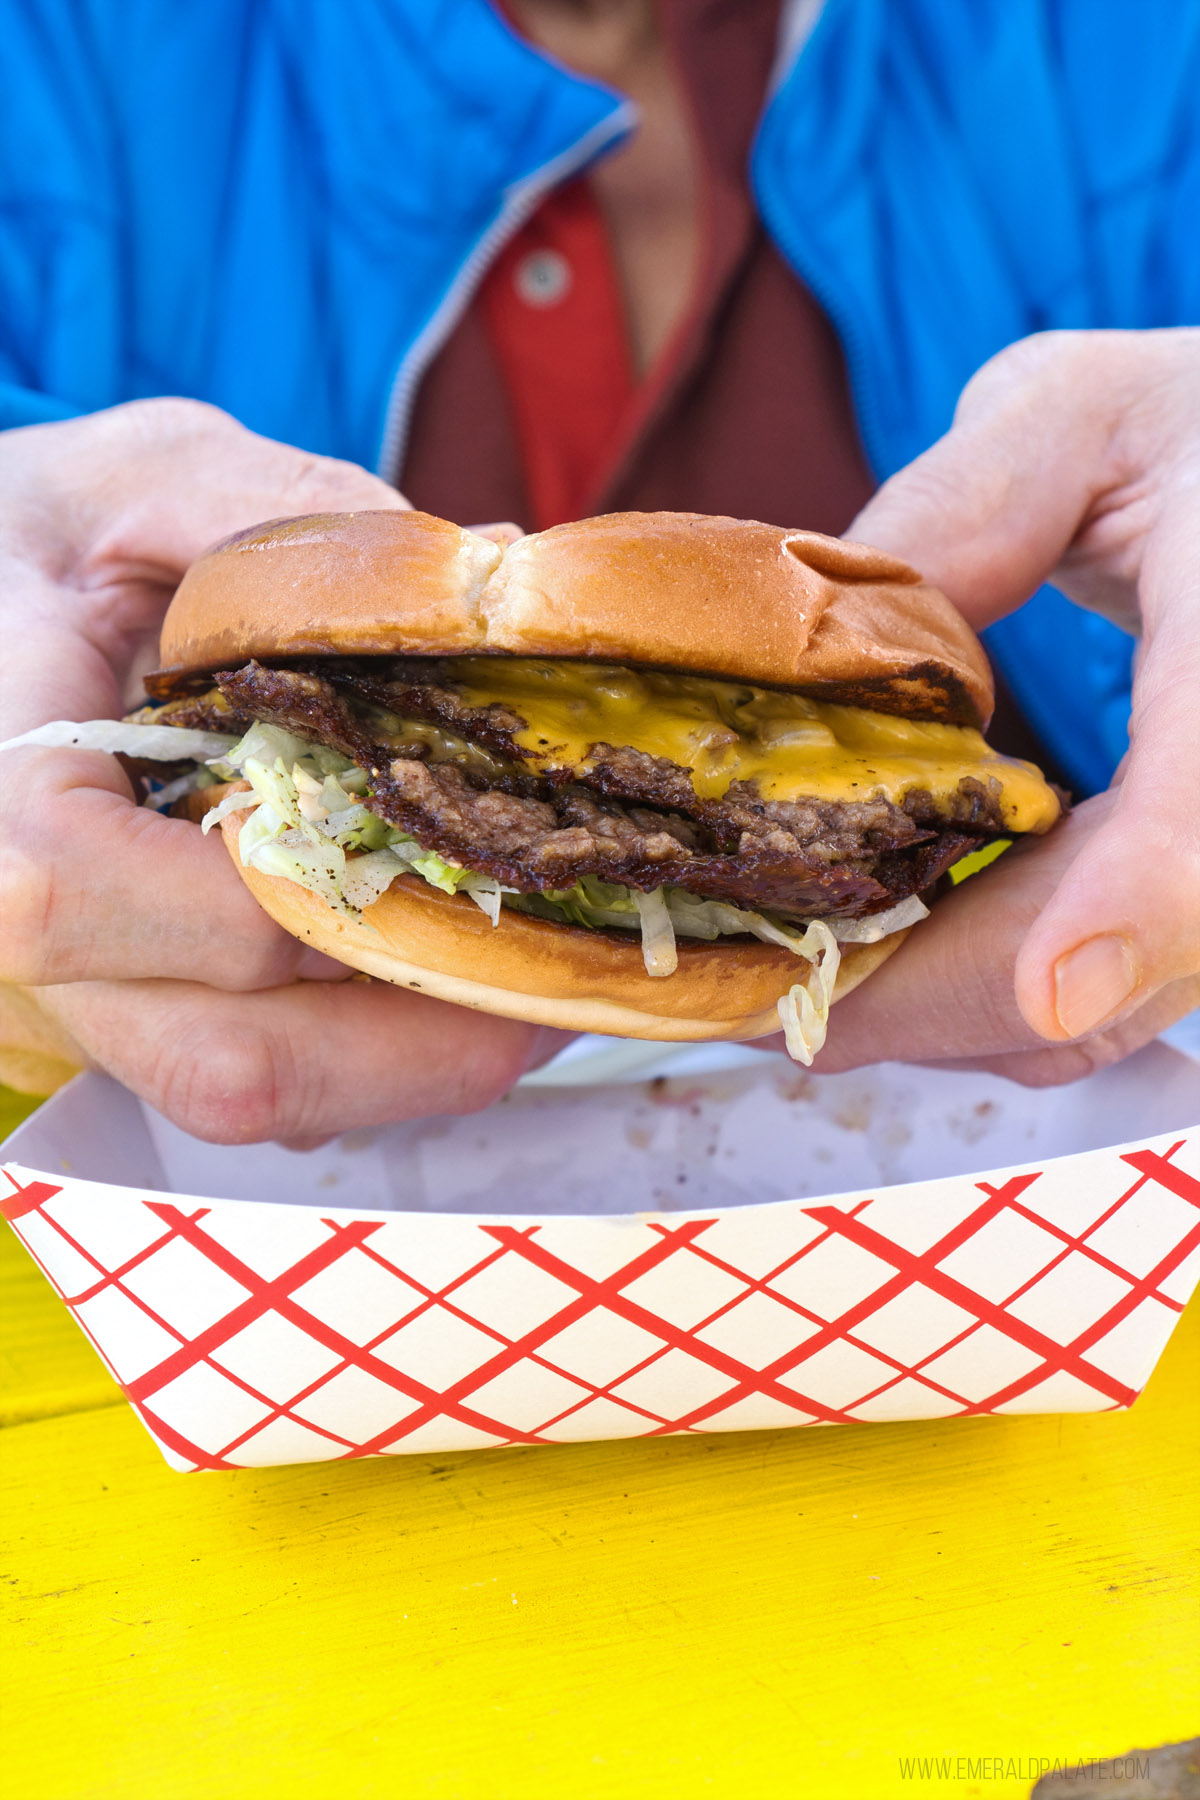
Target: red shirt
531	411
552	311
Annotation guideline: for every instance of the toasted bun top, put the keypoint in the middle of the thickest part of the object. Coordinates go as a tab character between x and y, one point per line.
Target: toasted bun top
715	596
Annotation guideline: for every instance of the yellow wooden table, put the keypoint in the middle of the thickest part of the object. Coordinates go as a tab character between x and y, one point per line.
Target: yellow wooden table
772	1614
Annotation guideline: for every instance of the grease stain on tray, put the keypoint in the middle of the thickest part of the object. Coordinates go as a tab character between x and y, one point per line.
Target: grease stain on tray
795	1084
697	1142
363	1139
856	1114
974	1123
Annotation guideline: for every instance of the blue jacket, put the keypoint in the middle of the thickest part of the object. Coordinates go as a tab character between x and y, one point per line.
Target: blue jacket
283	206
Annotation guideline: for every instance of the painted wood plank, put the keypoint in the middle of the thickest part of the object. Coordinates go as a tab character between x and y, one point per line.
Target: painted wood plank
14	1108
770	1614
47	1366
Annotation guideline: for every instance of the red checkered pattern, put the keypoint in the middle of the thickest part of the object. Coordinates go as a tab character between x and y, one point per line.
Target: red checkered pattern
247	1334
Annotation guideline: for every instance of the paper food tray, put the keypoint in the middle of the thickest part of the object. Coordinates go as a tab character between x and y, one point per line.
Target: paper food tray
717	1250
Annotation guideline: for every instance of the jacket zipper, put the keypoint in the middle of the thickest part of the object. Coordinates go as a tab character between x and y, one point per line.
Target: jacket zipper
847	335
801	19
520	201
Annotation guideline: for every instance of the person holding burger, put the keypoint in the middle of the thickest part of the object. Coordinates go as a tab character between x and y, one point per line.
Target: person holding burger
592	315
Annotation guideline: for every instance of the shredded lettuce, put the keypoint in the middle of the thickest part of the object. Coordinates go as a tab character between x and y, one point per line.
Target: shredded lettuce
309	820
487	894
804	1009
264	744
600	903
230	804
368	876
879	925
319	867
590	902
165	793
431	867
658	934
156	743
308	812
261	828
274	786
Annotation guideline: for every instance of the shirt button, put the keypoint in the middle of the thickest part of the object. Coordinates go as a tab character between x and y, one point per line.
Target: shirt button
542	278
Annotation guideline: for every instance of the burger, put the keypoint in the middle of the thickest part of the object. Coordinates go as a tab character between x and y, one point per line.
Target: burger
657	775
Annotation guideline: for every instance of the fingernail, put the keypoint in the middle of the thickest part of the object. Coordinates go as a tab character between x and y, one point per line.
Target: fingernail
1092	983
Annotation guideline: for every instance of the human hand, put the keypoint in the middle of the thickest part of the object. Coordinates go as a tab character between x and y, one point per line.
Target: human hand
1074	458
131	939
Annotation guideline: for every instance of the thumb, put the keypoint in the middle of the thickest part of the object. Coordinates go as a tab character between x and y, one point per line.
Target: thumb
1125	919
987	512
178	476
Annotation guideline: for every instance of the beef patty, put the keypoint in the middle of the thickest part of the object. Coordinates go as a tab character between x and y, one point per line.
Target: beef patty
455	778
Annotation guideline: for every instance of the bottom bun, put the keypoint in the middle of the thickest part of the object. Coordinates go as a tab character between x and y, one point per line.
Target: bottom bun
564	975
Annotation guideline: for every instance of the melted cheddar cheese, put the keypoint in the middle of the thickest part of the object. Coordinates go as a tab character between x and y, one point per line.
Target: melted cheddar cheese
725	731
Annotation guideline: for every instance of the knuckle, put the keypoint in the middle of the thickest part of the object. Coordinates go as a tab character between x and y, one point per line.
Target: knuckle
1065	1063
1027	363
1046	1068
261	959
222	1085
493	1064
167	418
979	489
324	484
1100	1052
28	906
1031	356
